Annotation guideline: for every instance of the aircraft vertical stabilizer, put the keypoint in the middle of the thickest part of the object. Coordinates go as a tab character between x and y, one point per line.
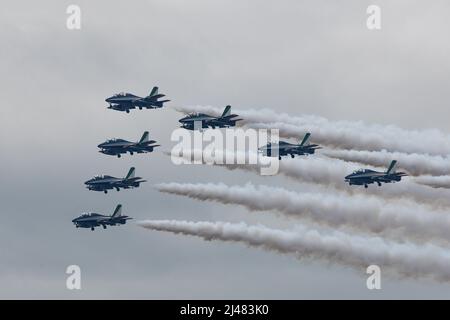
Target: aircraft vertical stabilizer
144	137
305	139
130	173
226	111
117	212
392	166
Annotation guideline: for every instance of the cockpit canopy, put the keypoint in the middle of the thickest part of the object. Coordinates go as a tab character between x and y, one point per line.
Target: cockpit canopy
121	94
89	214
97	177
114	140
362	171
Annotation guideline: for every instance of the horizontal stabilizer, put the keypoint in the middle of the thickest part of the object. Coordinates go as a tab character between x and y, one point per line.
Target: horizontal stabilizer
160	104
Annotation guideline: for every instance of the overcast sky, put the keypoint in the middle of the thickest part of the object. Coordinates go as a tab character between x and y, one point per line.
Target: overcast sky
313	57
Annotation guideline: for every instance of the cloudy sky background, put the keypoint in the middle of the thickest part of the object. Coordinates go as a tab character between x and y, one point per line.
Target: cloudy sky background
313	57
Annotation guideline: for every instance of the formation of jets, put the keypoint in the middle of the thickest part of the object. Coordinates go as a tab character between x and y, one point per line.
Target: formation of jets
196	121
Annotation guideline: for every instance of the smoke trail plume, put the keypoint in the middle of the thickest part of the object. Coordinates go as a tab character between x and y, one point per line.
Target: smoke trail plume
415	164
351	250
331	172
434	182
359	211
341	134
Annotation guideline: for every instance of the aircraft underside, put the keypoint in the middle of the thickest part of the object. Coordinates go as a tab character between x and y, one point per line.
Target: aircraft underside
365	183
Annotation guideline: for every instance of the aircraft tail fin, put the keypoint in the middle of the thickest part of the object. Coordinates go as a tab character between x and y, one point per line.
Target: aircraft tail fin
144	137
391	168
226	111
117	211
130	173
154	92
305	139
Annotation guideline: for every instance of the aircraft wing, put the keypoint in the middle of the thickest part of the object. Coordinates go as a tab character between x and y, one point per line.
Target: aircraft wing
202	118
153	98
289	148
230	116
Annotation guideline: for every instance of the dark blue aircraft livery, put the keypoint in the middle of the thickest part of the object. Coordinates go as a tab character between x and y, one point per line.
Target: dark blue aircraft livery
126	101
197	121
284	148
105	183
366	176
116	147
92	220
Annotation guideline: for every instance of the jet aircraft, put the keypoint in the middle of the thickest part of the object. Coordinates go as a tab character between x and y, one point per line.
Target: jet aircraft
126	101
200	120
284	148
105	183
92	220
367	176
116	147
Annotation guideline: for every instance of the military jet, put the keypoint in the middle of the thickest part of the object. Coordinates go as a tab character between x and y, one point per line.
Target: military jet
115	147
126	101
105	183
284	148
367	176
200	120
92	220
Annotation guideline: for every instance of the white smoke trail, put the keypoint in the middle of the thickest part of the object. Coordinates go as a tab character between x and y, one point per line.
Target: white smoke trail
415	164
341	134
331	172
434	182
352	250
359	211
